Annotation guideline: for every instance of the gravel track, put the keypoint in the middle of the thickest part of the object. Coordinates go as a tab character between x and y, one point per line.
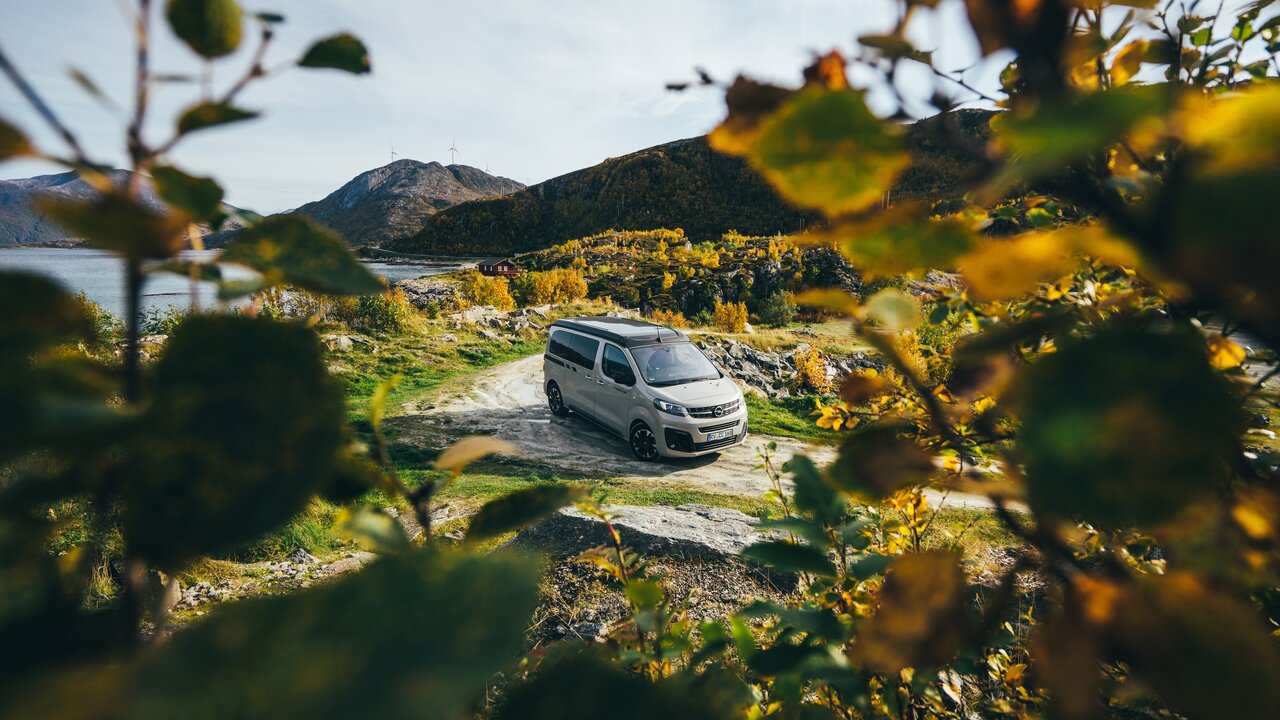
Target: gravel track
508	401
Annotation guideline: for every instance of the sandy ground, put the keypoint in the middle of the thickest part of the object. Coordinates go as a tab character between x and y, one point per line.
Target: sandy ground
508	401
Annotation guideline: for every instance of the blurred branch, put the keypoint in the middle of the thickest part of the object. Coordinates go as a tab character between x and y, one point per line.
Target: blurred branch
255	71
42	108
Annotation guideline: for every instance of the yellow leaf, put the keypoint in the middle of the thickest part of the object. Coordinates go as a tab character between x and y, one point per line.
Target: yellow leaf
942	393
983	404
1128	61
469	449
893	309
1005	269
824	149
1253	521
837	300
1223	353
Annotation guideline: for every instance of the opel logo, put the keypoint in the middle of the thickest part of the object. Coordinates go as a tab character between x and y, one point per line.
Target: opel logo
719	411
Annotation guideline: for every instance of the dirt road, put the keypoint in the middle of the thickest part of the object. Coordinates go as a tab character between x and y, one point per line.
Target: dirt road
508	401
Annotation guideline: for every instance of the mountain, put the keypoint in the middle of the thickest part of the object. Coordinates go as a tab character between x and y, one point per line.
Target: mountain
682	184
393	201
22	224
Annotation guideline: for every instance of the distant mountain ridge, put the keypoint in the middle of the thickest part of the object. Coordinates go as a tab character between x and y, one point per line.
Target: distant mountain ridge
21	224
682	184
677	184
394	201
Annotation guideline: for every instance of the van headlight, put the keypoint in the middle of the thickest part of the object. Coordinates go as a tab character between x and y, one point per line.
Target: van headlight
670	408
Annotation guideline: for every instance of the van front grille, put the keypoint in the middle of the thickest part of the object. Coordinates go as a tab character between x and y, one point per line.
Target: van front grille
710	411
713	428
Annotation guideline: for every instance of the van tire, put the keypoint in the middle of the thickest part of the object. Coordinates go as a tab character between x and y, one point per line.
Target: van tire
555	400
644	444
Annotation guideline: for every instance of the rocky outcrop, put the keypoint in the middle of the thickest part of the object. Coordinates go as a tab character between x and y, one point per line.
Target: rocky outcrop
426	292
769	374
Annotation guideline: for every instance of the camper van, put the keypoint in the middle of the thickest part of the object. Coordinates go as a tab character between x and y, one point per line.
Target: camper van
646	383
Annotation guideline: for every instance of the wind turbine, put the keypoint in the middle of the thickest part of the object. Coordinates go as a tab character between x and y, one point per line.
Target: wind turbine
453	152
393	152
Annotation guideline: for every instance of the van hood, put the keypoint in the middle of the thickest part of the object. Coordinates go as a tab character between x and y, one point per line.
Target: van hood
703	392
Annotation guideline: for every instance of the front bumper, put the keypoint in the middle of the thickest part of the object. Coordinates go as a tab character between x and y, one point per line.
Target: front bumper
688	437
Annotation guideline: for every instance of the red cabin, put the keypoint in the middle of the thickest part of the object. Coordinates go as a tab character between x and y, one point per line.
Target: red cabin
497	266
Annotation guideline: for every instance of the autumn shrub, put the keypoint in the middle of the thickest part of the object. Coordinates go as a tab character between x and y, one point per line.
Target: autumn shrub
386	312
107	328
671	318
811	371
493	291
730	317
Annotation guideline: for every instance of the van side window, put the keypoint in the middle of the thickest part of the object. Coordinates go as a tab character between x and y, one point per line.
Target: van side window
558	346
583	350
614	365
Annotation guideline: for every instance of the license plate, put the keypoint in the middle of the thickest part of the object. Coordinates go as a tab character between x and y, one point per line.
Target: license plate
719	435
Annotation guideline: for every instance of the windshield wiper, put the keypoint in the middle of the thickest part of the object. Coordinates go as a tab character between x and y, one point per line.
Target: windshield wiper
669	383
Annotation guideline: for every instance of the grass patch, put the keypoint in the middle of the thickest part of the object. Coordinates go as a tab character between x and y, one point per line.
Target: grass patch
788	417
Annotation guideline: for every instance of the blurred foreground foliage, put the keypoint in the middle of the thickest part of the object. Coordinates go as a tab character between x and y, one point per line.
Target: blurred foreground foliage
1115	236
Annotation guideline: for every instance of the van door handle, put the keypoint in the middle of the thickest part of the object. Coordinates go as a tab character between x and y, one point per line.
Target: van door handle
587	377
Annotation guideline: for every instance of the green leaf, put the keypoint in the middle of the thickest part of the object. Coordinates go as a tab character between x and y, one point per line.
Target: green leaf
340	52
211	114
118	223
12	142
293	250
812	495
413	635
920	621
790	557
270	18
212	28
869	565
824	149
780	659
35	314
876	462
517	509
1128	426
584	687
199	197
244	427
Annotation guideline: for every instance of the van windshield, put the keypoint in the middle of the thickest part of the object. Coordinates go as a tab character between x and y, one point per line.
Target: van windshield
673	364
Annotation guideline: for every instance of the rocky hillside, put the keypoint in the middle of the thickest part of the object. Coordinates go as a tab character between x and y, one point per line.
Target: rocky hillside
394	201
22	224
681	184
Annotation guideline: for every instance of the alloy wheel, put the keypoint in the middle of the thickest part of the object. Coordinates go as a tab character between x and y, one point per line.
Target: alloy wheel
644	444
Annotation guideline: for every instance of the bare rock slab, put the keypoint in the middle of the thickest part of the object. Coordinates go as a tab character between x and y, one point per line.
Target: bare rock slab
687	531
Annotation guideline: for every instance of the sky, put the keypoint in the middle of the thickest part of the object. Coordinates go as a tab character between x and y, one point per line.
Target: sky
528	90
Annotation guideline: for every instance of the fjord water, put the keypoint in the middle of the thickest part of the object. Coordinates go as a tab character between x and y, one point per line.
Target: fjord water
100	275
